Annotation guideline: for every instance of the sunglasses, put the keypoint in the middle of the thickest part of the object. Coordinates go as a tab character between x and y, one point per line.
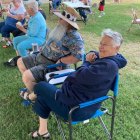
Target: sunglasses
69	16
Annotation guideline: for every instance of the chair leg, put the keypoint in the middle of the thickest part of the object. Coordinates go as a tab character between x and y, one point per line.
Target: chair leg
113	117
105	128
60	127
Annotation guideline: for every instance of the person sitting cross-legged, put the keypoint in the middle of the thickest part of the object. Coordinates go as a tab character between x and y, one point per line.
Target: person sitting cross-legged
64	45
90	81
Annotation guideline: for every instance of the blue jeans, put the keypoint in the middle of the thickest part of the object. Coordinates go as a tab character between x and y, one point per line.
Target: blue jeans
5	30
46	102
82	13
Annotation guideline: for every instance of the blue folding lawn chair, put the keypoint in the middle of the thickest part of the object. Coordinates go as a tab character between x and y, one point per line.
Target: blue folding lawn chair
98	114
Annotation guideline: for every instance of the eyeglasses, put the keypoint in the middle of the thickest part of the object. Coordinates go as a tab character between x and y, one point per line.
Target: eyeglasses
69	16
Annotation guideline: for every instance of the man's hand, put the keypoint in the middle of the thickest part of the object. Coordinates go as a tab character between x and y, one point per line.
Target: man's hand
91	57
59	61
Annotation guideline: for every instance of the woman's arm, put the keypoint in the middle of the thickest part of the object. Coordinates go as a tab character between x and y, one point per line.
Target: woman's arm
20	27
17	17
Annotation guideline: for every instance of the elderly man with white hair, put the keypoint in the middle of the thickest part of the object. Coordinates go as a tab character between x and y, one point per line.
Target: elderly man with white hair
90	81
35	33
64	45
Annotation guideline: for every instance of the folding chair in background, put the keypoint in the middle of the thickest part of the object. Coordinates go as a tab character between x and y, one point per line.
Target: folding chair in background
135	20
98	114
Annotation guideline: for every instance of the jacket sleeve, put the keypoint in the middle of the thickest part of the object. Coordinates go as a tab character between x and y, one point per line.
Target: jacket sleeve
121	61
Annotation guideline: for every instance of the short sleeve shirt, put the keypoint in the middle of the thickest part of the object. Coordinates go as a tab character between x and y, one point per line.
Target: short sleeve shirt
71	44
20	10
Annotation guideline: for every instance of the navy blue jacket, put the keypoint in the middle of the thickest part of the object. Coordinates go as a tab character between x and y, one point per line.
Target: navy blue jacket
90	81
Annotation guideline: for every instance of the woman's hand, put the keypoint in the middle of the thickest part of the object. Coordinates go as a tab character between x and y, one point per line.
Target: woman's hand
91	56
20	27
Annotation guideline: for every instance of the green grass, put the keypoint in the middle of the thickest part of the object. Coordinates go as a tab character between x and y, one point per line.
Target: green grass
17	121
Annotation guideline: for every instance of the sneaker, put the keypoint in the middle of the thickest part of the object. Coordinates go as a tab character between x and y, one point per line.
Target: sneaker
99	16
9	43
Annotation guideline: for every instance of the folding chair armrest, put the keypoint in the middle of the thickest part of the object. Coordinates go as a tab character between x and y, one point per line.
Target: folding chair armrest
61	75
55	65
58	77
89	103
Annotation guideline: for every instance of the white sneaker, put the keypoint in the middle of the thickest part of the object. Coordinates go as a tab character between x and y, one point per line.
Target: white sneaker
99	16
103	13
9	43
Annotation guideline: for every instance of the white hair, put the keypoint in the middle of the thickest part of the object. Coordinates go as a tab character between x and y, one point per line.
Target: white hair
32	5
117	37
58	32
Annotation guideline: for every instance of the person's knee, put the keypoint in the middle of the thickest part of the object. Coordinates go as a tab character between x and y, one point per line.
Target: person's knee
21	65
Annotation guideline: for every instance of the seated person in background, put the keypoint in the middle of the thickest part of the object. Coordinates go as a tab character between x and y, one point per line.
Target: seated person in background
101	8
84	11
90	81
35	33
18	32
64	45
54	5
14	14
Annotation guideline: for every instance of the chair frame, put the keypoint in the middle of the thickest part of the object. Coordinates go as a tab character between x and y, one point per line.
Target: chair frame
98	113
135	20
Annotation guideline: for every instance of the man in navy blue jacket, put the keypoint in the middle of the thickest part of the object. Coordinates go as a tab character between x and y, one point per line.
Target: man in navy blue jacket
90	81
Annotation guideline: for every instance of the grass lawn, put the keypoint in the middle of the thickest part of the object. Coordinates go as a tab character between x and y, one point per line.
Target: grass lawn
17	121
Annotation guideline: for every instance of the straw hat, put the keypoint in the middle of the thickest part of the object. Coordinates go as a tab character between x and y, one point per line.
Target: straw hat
69	15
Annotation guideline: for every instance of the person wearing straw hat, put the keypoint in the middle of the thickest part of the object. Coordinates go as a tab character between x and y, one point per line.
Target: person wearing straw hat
64	45
90	81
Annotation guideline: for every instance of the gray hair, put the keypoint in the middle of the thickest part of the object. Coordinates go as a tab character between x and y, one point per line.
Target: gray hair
117	37
32	5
